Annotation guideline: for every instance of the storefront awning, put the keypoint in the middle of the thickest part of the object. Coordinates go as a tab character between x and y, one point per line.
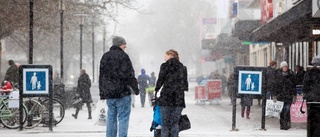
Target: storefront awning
289	27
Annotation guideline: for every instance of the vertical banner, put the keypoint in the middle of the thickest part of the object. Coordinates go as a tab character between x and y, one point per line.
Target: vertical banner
295	114
266	10
214	89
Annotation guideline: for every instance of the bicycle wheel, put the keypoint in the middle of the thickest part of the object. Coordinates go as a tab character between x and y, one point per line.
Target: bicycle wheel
34	114
57	109
10	117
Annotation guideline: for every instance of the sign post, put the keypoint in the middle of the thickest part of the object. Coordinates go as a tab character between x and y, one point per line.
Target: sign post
251	81
35	81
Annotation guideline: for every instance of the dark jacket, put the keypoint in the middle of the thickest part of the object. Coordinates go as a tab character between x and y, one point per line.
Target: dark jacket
285	88
246	100
12	74
299	77
143	79
270	79
83	89
173	80
116	75
232	85
311	85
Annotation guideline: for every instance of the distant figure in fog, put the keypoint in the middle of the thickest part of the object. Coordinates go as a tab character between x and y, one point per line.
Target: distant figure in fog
12	74
83	90
143	80
56	79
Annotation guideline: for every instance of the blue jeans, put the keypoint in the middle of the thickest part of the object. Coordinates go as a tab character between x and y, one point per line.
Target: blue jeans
285	119
119	110
170	121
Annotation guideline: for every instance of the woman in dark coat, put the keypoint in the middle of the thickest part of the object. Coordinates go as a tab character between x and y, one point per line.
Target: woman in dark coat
173	80
285	91
83	91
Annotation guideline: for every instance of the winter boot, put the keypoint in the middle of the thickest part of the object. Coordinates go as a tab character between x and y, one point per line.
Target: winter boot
248	112
89	115
242	112
76	115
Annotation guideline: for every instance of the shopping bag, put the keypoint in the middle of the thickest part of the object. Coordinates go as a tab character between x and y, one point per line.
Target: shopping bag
273	109
100	114
184	123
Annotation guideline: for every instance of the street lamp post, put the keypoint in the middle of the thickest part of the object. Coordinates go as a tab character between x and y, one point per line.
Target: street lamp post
31	32
104	41
81	27
93	50
81	15
61	39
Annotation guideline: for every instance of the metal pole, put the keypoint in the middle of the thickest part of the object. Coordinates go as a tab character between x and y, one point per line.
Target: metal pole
92	52
61	42
104	41
81	26
31	32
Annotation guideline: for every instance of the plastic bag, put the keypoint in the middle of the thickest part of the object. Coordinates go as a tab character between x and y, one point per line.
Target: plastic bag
273	109
100	114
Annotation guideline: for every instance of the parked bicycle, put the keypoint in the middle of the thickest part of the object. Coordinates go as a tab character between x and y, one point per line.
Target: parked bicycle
34	113
10	117
57	109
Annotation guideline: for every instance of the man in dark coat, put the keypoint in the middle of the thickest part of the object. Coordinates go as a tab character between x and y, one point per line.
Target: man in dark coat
12	74
83	90
311	92
270	78
116	80
285	90
174	82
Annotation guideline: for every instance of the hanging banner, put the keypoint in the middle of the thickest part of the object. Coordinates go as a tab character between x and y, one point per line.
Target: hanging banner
266	10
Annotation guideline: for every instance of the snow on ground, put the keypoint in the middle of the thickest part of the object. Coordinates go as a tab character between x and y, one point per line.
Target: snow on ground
208	120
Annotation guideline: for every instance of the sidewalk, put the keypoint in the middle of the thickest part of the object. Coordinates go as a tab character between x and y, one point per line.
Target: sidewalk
207	121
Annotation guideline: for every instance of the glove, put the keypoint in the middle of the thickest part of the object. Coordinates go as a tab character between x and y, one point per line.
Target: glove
275	99
294	99
136	91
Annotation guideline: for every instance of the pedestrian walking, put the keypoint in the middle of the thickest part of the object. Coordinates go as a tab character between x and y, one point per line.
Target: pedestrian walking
116	78
285	90
83	91
270	78
311	92
12	74
232	87
173	80
143	79
246	103
150	89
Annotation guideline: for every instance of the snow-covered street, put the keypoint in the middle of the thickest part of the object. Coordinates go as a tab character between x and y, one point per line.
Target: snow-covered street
208	120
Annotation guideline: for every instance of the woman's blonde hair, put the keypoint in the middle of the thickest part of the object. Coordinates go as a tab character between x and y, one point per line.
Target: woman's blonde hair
173	53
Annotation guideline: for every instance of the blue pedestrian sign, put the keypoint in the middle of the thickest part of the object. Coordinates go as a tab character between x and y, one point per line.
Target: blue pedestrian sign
250	82
36	79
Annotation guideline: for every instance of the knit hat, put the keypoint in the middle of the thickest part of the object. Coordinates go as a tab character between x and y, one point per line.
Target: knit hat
283	63
316	61
118	41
